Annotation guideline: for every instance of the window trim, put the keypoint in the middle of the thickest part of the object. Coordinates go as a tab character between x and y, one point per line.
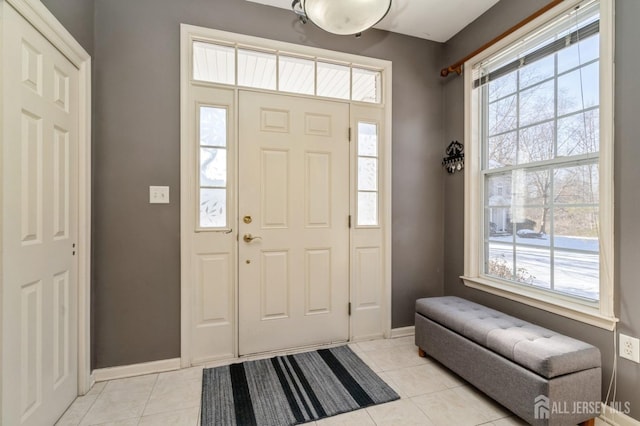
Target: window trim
601	314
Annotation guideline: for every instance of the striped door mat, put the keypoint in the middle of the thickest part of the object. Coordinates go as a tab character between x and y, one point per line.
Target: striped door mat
291	389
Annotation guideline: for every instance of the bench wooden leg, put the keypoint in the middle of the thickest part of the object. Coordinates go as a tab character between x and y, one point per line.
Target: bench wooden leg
590	422
423	354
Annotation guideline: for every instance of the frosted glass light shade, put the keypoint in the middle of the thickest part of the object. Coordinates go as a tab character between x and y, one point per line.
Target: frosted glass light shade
345	17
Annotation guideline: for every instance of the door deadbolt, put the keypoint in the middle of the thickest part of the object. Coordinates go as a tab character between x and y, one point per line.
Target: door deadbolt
247	219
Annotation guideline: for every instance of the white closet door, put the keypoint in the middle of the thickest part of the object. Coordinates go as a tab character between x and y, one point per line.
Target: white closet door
39	226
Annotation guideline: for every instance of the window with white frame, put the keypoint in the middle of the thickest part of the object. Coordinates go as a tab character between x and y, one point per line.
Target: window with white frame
284	72
213	167
367	206
539	228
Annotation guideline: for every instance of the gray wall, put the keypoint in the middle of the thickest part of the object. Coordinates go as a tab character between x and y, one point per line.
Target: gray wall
627	197
136	275
77	17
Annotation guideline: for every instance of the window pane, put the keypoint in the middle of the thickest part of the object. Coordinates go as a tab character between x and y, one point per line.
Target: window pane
519	201
367	139
537	71
576	228
213	126
532	225
574	95
333	80
366	85
499	261
502	115
499	222
213	208
579	134
502	150
498	190
576	185
214	63
297	75
539	187
537	103
367	174
533	266
256	69
537	143
577	54
503	86
577	274
213	167
367	208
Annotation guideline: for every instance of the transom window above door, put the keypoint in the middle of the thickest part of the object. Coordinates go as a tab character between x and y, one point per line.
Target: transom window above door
285	72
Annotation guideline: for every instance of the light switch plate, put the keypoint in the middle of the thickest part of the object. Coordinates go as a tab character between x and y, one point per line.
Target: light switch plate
159	195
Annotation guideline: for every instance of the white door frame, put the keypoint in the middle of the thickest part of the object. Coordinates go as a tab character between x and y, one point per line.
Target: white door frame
189	34
46	23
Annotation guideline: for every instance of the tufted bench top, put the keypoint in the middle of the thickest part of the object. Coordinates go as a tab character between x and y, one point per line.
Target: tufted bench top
538	349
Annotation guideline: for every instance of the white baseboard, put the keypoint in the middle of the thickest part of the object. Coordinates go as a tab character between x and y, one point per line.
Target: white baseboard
92	381
110	373
617	418
402	331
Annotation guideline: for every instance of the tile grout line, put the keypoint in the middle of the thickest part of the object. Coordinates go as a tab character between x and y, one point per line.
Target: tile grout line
155	382
366	410
91	405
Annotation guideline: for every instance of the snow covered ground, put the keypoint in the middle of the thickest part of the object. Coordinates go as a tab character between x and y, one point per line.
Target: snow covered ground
575	262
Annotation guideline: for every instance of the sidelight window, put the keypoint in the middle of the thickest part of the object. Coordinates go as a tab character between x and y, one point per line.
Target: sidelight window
213	167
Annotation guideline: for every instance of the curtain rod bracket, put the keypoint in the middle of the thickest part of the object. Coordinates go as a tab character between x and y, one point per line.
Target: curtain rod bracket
445	71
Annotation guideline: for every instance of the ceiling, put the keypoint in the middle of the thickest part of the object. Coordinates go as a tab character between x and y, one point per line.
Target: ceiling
436	20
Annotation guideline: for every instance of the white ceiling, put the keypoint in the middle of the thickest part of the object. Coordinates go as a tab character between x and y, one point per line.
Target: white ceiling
436	20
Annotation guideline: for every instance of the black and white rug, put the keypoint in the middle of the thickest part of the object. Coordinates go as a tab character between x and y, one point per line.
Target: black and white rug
291	389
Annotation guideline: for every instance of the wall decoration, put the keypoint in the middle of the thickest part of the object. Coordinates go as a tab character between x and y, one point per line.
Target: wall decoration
454	161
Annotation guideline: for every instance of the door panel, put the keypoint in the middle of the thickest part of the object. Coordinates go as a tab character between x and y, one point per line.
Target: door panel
370	311
294	184
209	231
39	228
274	188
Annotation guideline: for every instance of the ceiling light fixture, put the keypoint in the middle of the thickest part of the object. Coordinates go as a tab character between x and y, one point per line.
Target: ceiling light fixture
342	17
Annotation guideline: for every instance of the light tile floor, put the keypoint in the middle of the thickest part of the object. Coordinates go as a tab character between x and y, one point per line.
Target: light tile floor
430	395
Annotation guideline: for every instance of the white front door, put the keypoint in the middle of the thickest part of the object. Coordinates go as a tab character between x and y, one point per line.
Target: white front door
294	222
39	226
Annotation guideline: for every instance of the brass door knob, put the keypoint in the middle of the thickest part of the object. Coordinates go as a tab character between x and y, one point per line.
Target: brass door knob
248	238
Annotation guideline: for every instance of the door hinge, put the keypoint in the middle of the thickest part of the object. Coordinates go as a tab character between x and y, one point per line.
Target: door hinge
349	308
349	221
349	134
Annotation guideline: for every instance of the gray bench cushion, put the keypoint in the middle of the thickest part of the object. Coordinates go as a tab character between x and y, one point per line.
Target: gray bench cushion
538	349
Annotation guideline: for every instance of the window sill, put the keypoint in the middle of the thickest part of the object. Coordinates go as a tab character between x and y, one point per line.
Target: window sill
537	299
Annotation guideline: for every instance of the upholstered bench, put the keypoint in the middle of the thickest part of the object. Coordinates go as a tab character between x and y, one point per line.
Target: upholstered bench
541	376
